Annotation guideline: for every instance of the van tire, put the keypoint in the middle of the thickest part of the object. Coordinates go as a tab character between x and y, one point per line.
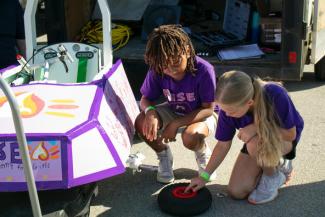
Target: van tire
320	70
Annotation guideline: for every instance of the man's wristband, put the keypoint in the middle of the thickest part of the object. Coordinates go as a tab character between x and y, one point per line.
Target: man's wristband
205	176
150	107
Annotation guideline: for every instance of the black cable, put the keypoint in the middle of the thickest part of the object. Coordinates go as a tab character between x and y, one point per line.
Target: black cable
23	67
34	54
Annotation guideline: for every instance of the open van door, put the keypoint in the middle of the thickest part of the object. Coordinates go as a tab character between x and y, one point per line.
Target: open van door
318	39
318	31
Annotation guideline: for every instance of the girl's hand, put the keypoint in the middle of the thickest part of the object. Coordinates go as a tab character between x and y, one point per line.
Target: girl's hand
246	133
196	184
150	126
169	133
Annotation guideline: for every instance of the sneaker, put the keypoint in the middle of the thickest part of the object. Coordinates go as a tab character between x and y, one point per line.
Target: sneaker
202	158
286	168
267	188
165	172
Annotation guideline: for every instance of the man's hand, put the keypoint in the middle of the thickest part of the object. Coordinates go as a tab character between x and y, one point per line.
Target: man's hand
246	133
169	133
150	126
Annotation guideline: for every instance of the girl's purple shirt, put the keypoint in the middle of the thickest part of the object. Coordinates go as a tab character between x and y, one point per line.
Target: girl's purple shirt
284	108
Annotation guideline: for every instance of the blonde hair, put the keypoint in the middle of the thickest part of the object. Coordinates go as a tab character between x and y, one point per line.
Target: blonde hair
236	88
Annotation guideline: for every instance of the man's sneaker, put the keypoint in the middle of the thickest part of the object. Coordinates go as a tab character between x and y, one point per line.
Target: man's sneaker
267	188
165	169
286	168
202	158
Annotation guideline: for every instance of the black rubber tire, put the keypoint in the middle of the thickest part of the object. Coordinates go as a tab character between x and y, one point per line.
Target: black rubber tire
320	70
172	205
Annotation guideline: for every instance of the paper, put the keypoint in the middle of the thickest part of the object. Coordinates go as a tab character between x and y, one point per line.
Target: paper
240	52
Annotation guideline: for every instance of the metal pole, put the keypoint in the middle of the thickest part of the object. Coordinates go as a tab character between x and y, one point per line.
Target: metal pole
23	148
107	31
30	27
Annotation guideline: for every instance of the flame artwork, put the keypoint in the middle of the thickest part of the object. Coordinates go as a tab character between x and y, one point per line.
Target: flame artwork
31	105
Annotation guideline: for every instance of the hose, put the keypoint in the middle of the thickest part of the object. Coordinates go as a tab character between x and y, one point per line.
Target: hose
92	33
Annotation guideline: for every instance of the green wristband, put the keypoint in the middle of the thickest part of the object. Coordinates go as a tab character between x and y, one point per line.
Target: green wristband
205	176
150	107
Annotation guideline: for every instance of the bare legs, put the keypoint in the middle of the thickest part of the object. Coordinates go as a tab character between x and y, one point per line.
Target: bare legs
246	173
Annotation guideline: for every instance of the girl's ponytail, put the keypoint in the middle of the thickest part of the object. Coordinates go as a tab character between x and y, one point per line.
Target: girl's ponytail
269	148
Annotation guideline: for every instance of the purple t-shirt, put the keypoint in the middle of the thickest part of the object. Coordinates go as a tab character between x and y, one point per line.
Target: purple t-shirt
284	109
185	95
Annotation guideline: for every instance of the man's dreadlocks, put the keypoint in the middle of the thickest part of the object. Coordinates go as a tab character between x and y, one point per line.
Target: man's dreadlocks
165	43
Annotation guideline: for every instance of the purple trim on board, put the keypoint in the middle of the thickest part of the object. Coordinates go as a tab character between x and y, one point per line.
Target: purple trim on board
93	114
73	134
105	173
65	144
108	73
76	128
82	129
97	176
58	84
69	172
101	82
7	68
33	136
94	110
98	82
22	186
110	146
113	69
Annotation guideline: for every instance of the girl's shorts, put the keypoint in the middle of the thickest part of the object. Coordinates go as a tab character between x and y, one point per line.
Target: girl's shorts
290	156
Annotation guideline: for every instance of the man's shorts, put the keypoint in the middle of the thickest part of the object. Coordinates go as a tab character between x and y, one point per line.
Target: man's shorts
167	115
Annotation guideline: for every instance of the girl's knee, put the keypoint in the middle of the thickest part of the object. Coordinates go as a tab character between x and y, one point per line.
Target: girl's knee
237	192
240	189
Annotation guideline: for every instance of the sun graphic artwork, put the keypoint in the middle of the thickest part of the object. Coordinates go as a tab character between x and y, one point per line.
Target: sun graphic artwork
31	105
